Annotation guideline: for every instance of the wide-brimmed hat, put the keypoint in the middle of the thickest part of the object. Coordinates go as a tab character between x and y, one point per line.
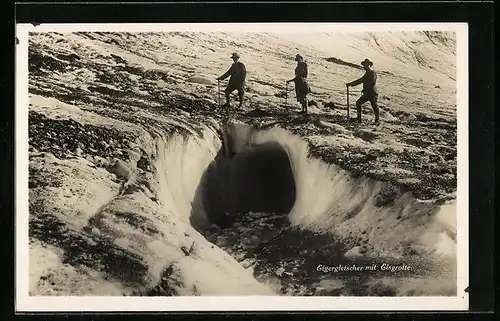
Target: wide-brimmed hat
235	55
367	62
298	56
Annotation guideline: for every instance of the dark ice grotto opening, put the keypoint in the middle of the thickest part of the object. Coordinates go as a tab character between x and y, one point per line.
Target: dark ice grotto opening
258	179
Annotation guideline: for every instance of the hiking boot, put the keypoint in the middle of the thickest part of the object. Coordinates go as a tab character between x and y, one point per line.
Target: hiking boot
376	122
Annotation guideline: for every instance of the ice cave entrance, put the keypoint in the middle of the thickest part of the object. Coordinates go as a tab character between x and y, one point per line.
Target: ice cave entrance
259	179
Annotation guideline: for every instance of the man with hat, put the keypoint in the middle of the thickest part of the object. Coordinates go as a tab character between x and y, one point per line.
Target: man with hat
238	74
370	92
301	85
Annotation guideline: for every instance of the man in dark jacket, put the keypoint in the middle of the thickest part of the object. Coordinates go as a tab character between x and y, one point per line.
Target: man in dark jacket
300	80
370	92
238	75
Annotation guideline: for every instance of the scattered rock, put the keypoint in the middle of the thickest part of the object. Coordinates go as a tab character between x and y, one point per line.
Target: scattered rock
257	112
199	80
144	164
330	105
246	263
183	113
387	116
206	101
120	169
356	251
323	124
386	196
312	103
100	161
49	158
133	155
185	250
366	135
280	94
438	159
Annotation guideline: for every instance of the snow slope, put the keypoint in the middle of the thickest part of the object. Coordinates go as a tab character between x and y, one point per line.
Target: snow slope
123	126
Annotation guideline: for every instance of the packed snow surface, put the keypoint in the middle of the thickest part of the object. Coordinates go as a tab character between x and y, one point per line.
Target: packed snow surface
132	164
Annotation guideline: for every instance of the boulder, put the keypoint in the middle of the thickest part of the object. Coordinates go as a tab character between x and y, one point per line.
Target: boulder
121	169
199	80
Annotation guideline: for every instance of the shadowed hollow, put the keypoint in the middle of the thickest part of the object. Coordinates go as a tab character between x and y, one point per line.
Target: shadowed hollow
259	179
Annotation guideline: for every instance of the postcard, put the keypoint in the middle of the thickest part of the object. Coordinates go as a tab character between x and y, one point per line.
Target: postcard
241	167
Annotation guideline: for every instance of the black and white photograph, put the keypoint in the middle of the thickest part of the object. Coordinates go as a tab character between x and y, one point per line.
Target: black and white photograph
275	166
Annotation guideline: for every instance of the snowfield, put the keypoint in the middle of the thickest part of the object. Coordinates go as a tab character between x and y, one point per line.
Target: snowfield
130	155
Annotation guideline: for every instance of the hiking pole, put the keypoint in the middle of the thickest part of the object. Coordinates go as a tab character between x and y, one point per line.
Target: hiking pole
348	102
218	90
286	94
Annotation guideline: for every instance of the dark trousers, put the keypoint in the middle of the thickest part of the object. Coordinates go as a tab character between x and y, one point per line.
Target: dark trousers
230	88
301	91
373	101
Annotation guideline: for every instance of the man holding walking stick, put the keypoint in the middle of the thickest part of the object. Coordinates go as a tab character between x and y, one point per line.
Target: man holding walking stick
238	74
369	93
301	84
